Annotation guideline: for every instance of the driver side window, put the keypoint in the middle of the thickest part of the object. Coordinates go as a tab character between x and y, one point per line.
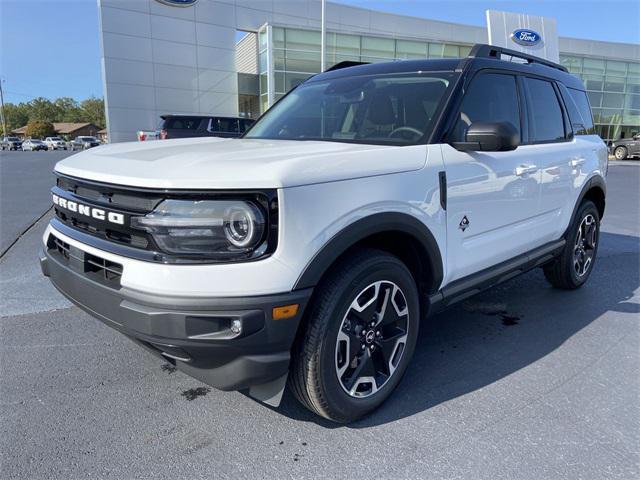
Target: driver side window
491	97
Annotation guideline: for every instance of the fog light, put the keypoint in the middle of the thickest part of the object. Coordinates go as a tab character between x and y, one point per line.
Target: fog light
236	326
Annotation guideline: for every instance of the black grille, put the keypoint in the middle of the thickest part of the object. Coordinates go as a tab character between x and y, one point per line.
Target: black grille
61	247
111	199
96	268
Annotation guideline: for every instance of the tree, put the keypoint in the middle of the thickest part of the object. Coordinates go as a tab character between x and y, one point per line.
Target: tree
93	111
16	115
69	110
39	129
42	109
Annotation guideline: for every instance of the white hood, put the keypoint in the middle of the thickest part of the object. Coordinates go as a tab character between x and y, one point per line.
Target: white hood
214	163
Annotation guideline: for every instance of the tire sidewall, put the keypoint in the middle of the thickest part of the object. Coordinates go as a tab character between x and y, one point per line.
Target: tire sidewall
384	270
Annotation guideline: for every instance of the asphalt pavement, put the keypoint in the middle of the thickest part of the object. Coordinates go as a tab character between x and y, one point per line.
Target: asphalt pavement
25	180
521	381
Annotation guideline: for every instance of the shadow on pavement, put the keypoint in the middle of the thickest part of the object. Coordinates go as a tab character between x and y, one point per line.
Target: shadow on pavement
501	331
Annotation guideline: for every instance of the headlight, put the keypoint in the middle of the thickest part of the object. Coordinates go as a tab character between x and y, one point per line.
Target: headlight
219	229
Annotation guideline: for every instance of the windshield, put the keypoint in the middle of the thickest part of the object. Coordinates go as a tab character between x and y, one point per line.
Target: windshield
395	109
13	139
87	139
55	139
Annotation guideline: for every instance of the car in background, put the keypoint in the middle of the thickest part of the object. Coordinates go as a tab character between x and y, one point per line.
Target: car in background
84	143
33	144
55	143
186	126
626	147
11	143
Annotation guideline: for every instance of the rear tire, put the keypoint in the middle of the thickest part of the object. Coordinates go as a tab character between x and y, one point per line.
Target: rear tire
620	153
358	336
573	267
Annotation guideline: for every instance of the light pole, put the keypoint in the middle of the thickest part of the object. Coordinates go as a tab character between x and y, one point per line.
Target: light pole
323	34
4	117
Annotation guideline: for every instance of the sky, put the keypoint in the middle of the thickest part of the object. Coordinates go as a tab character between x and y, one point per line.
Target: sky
50	48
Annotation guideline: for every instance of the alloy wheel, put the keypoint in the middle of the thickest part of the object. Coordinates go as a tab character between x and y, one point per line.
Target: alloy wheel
585	245
372	339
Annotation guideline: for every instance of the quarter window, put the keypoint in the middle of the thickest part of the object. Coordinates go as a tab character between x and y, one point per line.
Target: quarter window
546	119
490	98
577	105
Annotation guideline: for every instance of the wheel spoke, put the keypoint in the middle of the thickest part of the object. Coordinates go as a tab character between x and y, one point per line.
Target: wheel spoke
365	369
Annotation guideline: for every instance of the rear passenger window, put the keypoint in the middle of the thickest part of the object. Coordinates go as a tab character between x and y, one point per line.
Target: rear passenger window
583	125
182	123
224	125
546	119
490	98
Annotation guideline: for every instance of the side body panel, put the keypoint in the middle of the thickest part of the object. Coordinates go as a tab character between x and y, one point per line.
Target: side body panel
501	209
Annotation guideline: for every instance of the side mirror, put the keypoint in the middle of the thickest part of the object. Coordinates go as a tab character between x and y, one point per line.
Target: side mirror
489	137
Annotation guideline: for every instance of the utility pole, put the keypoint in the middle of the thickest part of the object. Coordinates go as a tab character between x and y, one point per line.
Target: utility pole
323	40
4	117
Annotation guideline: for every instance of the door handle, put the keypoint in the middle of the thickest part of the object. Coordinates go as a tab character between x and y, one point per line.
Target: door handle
525	169
576	162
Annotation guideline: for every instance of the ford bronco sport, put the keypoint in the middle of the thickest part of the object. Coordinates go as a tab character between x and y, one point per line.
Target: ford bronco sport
309	250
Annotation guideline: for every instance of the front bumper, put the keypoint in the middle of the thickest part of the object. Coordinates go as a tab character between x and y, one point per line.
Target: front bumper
192	333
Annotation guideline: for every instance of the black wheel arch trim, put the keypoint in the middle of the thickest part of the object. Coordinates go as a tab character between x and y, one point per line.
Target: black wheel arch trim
594	182
366	227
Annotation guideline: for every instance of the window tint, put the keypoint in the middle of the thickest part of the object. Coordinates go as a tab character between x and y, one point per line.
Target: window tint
245	124
545	114
387	109
182	123
225	125
581	103
490	98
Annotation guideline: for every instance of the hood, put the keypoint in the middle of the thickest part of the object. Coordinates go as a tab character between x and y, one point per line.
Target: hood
215	163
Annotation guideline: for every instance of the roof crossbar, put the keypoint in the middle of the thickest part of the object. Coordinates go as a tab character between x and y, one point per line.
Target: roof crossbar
481	50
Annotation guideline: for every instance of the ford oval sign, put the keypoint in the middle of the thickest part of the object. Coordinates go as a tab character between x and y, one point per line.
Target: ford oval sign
178	3
526	38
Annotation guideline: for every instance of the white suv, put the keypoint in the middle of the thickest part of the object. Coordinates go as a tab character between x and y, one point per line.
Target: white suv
310	249
55	143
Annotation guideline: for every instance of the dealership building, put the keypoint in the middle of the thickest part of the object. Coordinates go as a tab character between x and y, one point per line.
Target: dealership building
184	56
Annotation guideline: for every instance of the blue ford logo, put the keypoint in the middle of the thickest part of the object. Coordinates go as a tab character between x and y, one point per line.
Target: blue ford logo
178	3
526	38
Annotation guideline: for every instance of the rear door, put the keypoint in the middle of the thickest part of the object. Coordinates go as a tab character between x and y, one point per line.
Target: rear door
492	197
554	150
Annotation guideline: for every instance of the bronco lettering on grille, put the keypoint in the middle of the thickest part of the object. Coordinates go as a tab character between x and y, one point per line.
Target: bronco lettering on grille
88	211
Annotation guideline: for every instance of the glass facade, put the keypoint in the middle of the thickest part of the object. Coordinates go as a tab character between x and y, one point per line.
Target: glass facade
614	92
289	56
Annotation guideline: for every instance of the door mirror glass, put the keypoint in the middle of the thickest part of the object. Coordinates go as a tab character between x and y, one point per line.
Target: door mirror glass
489	137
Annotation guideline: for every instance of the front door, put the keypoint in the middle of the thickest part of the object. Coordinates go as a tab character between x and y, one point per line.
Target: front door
492	197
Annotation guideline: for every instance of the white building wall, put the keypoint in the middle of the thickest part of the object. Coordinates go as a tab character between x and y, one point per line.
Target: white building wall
160	59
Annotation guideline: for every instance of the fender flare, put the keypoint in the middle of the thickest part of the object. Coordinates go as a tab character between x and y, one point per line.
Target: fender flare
594	182
365	227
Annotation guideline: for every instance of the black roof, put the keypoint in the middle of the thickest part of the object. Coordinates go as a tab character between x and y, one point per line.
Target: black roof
481	57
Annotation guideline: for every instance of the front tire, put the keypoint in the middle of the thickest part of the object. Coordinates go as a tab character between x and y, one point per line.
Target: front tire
573	267
620	153
359	334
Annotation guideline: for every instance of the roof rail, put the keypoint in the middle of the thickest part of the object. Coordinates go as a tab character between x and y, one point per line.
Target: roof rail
345	64
481	50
